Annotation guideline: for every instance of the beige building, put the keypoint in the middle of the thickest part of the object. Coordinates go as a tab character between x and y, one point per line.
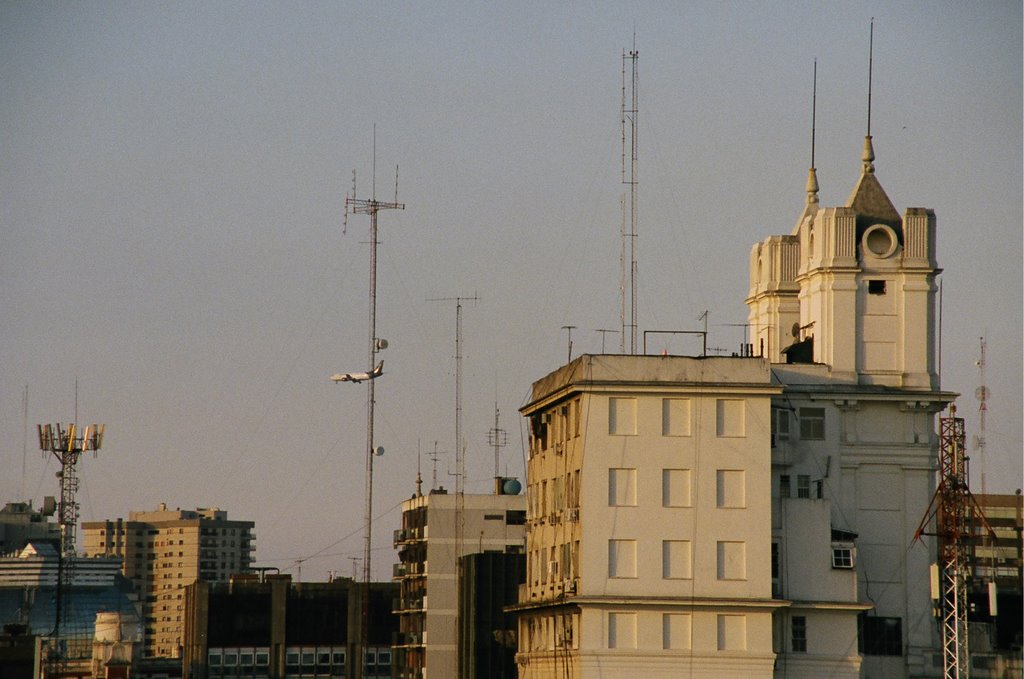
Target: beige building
844	308
649	530
163	552
437	529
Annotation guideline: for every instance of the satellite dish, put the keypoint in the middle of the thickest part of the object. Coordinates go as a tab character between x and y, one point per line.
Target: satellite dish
379	452
796	330
382	344
982	393
511	487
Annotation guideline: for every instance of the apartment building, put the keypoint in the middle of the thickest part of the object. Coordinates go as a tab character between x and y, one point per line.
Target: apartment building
437	529
649	524
164	551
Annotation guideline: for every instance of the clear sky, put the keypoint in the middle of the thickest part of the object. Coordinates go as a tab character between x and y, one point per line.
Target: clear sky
172	190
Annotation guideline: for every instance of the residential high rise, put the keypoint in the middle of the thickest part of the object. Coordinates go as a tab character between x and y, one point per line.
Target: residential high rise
163	552
429	547
649	524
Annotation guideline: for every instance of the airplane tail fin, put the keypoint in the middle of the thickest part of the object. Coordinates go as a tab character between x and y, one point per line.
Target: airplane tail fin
379	369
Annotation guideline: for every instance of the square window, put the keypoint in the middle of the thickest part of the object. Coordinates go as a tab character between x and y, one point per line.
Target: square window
622	416
812	424
675	488
676	560
730	417
622	487
876	287
622	558
731	488
675	417
842	556
732	561
676	631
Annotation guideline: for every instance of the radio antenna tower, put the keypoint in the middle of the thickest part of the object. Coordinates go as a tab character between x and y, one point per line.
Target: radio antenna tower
370	207
630	112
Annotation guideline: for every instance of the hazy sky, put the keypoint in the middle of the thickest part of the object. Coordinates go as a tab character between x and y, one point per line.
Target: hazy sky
172	192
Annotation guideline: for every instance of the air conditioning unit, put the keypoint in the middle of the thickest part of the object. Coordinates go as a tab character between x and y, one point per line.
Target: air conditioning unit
572	514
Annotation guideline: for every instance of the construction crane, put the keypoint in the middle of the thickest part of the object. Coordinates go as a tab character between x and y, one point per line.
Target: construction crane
950	507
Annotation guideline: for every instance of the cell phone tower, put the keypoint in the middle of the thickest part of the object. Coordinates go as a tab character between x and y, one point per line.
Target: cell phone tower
67	445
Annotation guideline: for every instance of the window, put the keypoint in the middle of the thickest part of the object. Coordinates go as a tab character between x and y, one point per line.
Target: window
880	636
784	485
383	657
799	629
622	558
812	424
876	287
842	556
515	517
622	487
675	559
732	633
731	488
780	425
622	416
730	417
803	485
675	631
338	658
675	417
675	488
622	630
732	561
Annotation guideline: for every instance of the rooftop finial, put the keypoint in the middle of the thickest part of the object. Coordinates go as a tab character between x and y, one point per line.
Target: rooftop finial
812	174
868	156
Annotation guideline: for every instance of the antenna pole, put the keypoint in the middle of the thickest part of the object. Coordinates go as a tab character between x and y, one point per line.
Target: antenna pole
369	207
498	438
570	328
629	233
871	59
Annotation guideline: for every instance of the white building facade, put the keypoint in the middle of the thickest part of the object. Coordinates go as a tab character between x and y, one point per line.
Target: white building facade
845	309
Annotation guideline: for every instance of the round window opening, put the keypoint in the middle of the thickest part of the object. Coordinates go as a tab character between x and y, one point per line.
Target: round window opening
880	240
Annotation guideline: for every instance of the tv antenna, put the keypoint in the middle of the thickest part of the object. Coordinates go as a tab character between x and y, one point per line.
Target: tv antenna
570	328
371	207
629	117
497	438
434	456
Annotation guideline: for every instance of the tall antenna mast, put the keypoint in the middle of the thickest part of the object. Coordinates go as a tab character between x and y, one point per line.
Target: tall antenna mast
629	230
868	156
370	207
982	394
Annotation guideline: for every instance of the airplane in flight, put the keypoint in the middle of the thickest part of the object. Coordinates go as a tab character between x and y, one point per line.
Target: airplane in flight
360	377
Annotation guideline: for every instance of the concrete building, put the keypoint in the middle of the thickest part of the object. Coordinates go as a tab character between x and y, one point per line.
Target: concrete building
488	585
844	309
437	529
272	628
649	530
20	523
163	552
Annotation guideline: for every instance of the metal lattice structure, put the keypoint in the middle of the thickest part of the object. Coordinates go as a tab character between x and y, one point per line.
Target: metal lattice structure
951	507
